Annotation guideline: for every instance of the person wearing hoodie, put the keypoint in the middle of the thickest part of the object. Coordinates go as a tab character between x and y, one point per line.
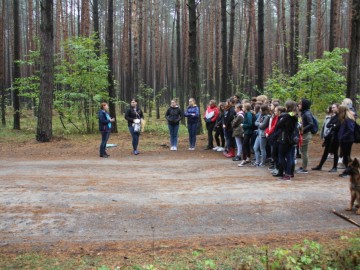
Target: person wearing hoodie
105	127
192	114
210	116
173	115
262	123
307	125
287	123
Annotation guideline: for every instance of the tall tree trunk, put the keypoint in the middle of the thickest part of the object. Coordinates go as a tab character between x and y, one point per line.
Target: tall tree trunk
95	12
210	54
85	19
308	28
217	49
109	49
224	49
179	87
297	36
319	29
245	69
353	83
285	44
231	48
260	70
140	42
135	25
2	64
16	99
44	124
333	35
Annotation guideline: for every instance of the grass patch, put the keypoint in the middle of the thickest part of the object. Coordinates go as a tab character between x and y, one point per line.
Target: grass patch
343	253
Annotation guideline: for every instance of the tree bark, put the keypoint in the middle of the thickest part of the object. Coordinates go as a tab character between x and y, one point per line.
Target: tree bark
308	28
285	45
224	51
16	99
85	18
353	83
2	64
333	35
260	70
319	29
231	48
95	12
44	124
109	50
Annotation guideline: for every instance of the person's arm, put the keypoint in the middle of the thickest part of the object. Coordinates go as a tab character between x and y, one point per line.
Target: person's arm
216	115
309	122
265	123
128	115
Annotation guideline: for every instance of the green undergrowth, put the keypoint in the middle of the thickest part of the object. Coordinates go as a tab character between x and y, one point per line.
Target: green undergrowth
343	253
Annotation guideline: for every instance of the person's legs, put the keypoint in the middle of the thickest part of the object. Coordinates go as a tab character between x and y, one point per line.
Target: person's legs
217	136
304	149
238	146
176	132
192	132
210	127
335	150
346	147
257	150
135	138
263	143
325	154
246	147
104	138
171	131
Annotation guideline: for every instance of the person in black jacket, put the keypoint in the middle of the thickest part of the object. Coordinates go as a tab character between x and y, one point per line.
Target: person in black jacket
331	141
134	115
105	127
173	115
287	123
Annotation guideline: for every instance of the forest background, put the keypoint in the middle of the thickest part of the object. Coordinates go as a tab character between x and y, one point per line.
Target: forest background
63	57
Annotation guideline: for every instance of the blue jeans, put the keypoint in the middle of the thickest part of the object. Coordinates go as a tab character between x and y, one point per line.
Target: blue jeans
135	137
192	128
260	149
174	130
286	157
104	138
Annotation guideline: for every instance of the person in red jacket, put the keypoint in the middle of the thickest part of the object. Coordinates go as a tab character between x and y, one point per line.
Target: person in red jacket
210	116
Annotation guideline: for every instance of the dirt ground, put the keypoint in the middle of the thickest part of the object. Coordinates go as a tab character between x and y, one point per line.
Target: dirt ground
62	197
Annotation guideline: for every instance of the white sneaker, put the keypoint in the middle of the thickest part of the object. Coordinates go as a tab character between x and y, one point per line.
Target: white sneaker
216	148
171	148
220	149
175	148
190	149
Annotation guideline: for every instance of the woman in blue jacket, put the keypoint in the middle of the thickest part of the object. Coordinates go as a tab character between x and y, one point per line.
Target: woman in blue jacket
192	113
105	128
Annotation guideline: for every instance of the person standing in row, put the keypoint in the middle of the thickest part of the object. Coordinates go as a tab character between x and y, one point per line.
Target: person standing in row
210	116
192	113
173	116
105	127
134	115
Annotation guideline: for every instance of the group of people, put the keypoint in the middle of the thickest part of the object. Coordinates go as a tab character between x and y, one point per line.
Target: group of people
275	134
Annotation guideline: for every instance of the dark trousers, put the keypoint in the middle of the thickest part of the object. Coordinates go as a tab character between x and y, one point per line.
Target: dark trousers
104	139
220	133
331	146
346	151
192	128
210	127
135	137
246	146
286	157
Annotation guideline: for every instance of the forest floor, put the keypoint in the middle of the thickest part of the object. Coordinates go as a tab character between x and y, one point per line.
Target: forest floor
61	197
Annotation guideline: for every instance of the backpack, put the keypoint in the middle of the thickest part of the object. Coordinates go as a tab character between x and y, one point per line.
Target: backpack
357	133
315	127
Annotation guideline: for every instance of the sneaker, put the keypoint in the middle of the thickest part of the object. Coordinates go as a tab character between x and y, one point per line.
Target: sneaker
221	149
216	148
172	148
261	165
175	148
330	156
285	178
104	156
208	148
333	170
275	171
301	170
317	168
242	163
343	175
236	158
136	152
